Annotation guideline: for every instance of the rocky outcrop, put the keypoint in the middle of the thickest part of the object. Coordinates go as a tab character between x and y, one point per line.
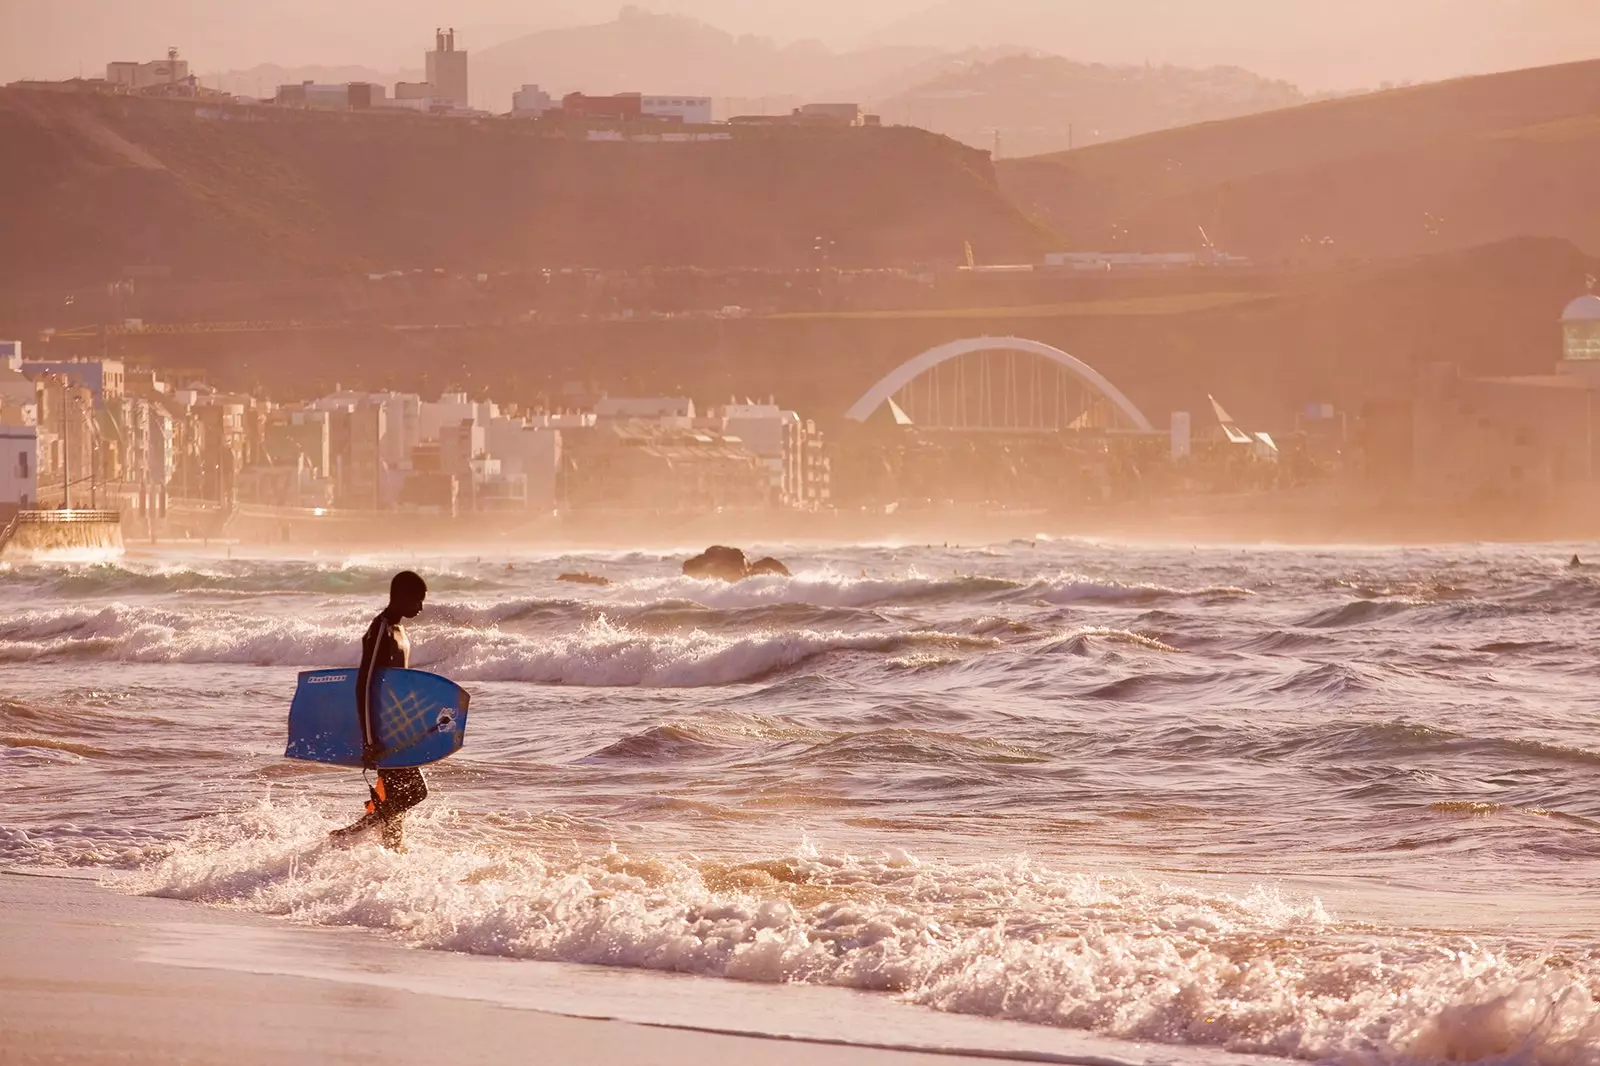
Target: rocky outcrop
721	563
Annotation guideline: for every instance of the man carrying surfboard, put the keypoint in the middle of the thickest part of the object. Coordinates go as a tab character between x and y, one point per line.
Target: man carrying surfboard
386	646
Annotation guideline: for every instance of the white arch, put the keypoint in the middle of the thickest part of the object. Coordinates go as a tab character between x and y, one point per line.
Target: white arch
912	369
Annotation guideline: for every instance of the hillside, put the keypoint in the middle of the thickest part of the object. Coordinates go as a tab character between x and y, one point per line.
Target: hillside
1266	347
97	184
644	52
1396	173
1040	103
1313	43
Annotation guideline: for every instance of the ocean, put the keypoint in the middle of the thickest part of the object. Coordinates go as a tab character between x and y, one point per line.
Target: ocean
1336	805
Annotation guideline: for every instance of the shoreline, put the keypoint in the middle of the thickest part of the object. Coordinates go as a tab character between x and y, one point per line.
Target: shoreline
92	976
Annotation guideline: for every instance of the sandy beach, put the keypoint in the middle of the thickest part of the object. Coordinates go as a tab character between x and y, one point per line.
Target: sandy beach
91	975
84	982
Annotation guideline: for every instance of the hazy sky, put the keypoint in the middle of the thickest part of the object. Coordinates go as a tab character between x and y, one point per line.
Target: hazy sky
1318	43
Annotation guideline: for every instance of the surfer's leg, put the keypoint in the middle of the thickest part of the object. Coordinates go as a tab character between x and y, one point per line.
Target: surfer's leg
403	790
356	828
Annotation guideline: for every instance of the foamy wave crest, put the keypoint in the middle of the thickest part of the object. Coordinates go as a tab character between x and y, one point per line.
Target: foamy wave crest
822	588
829	589
1249	972
158	635
1081	590
240	576
602	654
596	654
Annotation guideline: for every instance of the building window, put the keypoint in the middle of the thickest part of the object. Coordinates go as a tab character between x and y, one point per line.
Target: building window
22	465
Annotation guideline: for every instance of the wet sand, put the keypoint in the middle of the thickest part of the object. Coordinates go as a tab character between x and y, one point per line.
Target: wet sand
91	976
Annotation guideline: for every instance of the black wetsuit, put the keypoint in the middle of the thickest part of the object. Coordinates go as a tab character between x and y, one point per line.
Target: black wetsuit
385	646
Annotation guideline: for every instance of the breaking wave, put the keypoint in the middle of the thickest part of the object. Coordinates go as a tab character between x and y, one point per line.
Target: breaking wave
1248	970
598	653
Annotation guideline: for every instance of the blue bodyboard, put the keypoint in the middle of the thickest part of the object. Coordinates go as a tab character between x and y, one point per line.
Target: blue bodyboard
422	718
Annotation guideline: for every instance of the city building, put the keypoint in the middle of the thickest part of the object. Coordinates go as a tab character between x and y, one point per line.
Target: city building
790	448
622	107
843	114
292	435
171	73
1485	438
104	378
413	96
11	355
530	101
19	469
65	449
452	408
350	96
650	466
1580	330
667	410
447	70
19	399
531	453
690	110
1141	262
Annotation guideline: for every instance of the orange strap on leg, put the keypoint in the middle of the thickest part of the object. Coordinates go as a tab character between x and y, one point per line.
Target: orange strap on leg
379	795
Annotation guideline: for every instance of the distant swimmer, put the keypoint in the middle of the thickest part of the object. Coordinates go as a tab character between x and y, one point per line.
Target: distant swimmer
386	646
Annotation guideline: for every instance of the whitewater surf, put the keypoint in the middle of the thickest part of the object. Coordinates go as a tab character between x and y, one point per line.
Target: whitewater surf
1322	804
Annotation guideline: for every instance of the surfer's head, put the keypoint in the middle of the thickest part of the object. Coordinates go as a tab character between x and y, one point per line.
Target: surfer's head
406	593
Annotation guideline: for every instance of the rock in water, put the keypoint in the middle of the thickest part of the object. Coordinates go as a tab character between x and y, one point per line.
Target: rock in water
721	563
718	562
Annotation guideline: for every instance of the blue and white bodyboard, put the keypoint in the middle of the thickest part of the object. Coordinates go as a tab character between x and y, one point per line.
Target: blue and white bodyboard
422	718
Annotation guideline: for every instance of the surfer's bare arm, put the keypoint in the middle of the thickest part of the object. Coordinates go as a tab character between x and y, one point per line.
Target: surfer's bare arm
366	690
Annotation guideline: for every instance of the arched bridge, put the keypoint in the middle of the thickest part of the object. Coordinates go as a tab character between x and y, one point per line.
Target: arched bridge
981	383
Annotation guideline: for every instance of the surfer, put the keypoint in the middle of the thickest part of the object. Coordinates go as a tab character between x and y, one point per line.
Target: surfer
386	646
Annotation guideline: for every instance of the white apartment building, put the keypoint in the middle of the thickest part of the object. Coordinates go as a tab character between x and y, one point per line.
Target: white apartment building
693	110
19	469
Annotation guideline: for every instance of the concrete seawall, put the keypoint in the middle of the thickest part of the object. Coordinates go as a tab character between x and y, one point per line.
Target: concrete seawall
32	534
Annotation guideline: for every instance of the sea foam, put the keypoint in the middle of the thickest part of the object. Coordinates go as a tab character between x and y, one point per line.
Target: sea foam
598	653
1249	970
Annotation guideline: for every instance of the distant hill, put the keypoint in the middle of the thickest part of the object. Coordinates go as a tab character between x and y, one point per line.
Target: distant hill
96	184
644	52
1040	103
1316	44
1404	172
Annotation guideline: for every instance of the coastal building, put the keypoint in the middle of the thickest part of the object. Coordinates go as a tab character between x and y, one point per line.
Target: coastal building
1580	330
11	355
622	107
530	101
292	435
19	469
623	465
690	110
447	70
675	411
104	378
531	453
170	73
789	447
1534	435
842	114
349	96
412	96
1140	262
19	398
452	408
